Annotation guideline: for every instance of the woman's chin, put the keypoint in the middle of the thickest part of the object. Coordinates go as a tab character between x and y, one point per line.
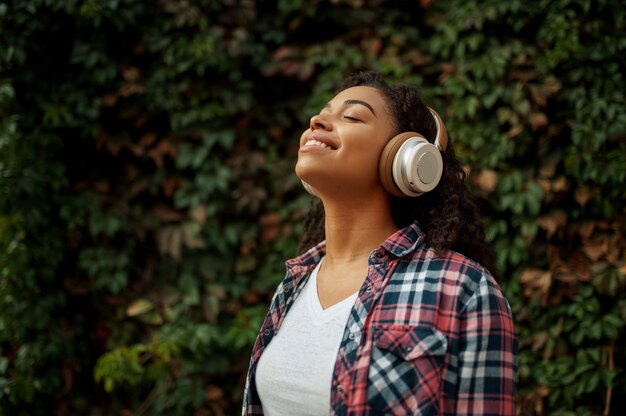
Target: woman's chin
308	170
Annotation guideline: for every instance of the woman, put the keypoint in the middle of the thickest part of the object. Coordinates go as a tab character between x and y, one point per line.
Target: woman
392	309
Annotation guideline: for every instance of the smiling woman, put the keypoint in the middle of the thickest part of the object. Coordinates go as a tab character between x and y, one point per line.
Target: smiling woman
391	307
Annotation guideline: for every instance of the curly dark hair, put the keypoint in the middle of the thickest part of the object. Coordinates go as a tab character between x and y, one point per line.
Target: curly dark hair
448	214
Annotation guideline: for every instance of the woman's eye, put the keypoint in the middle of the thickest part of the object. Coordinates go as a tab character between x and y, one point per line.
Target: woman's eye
351	118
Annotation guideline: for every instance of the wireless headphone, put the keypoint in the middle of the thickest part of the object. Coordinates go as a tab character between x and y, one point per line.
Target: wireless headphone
410	165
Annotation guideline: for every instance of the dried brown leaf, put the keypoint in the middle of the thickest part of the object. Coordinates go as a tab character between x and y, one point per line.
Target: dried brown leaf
170	241
551	223
613	250
130	73
585	231
284	52
270	226
102	187
171	184
580	266
538	96
108	100
515	131
138	307
538	121
198	214
595	248
536	283
583	195
147	139
214	392
486	180
167	213
560	184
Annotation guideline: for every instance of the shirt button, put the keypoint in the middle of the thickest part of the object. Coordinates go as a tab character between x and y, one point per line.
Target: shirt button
267	332
340	389
352	336
286	288
409	349
368	289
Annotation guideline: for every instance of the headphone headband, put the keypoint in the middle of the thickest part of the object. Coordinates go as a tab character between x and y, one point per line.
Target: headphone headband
441	138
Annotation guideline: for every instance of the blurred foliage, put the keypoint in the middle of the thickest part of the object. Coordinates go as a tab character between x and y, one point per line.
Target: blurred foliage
148	201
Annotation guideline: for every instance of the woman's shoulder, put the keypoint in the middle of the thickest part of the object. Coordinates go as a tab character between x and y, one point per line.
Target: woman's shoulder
448	270
426	257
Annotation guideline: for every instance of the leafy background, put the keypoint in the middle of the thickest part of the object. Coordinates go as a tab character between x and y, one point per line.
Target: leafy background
148	201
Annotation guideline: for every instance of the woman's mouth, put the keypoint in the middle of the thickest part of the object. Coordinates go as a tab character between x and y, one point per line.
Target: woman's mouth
314	142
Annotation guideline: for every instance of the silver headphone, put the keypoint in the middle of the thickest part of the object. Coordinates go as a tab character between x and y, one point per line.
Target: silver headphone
410	165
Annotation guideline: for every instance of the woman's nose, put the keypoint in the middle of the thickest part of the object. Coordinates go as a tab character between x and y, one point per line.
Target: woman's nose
317	122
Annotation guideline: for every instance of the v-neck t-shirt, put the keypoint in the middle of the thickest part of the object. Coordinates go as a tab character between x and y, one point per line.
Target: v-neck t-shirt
294	374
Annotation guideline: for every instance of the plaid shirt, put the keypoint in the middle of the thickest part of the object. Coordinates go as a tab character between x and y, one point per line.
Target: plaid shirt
427	335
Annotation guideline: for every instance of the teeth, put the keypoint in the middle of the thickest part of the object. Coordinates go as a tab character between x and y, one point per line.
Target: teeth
314	142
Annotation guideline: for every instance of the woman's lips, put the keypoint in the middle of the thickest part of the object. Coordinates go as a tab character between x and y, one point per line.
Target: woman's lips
317	142
314	142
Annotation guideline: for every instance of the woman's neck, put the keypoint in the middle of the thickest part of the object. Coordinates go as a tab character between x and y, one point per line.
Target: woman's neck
353	230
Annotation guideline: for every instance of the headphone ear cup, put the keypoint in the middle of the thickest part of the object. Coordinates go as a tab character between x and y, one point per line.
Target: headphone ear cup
420	169
410	165
385	165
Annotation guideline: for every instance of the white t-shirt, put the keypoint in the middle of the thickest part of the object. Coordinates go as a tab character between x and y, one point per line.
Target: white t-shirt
294	374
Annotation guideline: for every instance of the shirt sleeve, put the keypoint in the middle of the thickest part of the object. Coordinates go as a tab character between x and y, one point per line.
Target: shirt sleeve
487	366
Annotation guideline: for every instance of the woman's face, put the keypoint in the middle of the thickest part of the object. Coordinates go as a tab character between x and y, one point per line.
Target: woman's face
339	152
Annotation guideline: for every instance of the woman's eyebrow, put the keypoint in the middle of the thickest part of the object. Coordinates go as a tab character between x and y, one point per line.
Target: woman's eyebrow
350	102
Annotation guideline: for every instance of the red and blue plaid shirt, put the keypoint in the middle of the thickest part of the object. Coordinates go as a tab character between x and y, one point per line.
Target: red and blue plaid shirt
427	335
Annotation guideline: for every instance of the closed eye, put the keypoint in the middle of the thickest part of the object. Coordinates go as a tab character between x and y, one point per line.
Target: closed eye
351	118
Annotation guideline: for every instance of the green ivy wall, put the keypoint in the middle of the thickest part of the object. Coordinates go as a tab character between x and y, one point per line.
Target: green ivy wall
148	201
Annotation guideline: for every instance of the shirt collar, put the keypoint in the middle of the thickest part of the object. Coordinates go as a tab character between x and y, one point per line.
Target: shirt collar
399	244
405	240
309	258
